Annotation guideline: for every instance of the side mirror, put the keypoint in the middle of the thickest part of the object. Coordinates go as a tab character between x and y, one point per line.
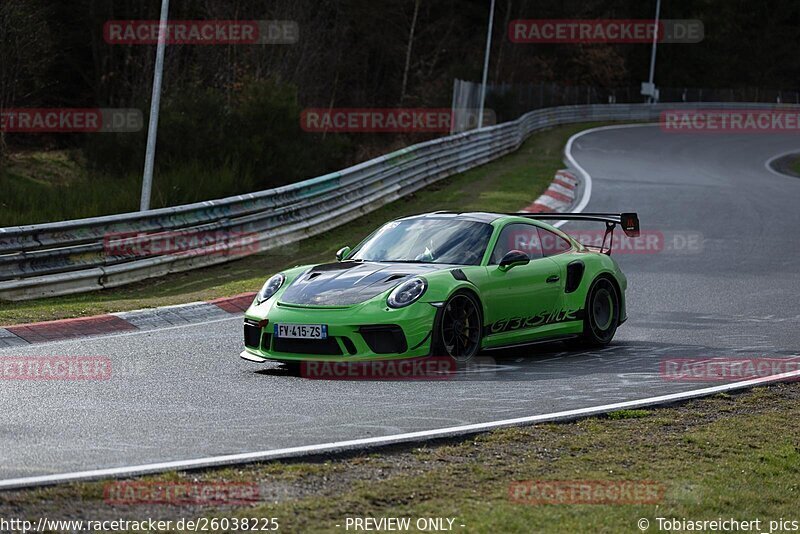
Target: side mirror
512	259
342	253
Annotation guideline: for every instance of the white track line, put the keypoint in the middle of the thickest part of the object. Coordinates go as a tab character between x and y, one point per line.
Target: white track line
768	163
339	446
586	177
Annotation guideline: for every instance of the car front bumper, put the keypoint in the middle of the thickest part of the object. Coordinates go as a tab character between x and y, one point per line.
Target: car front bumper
353	334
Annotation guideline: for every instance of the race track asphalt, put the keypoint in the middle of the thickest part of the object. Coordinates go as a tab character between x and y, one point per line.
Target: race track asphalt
184	393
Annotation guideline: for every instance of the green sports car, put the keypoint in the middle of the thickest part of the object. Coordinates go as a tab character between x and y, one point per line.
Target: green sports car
444	284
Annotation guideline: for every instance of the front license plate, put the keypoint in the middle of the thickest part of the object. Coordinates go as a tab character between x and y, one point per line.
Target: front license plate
302	331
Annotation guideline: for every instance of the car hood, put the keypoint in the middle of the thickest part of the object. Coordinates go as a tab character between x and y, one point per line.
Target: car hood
348	282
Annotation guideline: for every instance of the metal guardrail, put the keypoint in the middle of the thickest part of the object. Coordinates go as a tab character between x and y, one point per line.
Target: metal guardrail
90	254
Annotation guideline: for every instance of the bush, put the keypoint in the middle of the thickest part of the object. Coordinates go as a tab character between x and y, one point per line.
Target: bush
252	137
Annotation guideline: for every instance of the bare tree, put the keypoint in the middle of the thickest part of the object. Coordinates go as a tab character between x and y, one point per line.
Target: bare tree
408	50
24	55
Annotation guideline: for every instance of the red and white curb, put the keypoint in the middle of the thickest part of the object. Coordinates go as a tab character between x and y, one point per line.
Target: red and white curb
113	323
559	196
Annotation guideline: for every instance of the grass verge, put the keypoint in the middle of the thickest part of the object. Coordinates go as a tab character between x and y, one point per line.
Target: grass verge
507	184
794	166
730	456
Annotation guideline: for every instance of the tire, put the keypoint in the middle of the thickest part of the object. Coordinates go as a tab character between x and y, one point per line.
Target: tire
459	328
601	314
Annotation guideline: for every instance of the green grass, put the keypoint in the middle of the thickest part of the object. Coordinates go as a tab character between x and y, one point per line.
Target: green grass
794	166
46	168
42	187
507	184
629	414
732	457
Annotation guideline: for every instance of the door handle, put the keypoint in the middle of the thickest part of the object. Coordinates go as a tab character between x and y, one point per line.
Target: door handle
553	279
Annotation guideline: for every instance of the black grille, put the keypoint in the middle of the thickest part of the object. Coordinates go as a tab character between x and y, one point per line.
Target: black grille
458	274
384	339
265	341
327	346
252	335
574	275
348	344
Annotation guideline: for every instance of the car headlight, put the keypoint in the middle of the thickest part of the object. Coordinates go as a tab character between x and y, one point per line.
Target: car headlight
270	288
407	293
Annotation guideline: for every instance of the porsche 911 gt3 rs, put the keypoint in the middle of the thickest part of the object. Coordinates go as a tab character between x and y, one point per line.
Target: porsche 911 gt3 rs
444	284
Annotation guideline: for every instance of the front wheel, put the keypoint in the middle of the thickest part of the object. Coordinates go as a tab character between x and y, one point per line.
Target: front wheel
601	314
458	332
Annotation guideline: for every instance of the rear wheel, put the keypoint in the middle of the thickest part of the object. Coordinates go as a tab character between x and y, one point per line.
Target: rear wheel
602	313
458	332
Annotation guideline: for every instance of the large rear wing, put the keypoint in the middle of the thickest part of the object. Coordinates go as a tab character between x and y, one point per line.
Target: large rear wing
629	222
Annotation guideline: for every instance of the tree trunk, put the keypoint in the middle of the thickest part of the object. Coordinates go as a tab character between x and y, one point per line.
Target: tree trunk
2	149
502	42
408	50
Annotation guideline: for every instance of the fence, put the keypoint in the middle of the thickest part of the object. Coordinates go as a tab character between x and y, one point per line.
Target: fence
509	101
89	254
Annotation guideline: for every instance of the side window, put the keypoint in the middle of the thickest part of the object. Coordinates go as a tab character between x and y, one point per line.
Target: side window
552	244
517	236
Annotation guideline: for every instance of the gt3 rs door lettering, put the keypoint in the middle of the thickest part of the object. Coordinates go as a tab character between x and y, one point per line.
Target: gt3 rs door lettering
540	319
521	299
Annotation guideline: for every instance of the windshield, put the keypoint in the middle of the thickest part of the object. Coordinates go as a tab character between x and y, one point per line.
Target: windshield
427	241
